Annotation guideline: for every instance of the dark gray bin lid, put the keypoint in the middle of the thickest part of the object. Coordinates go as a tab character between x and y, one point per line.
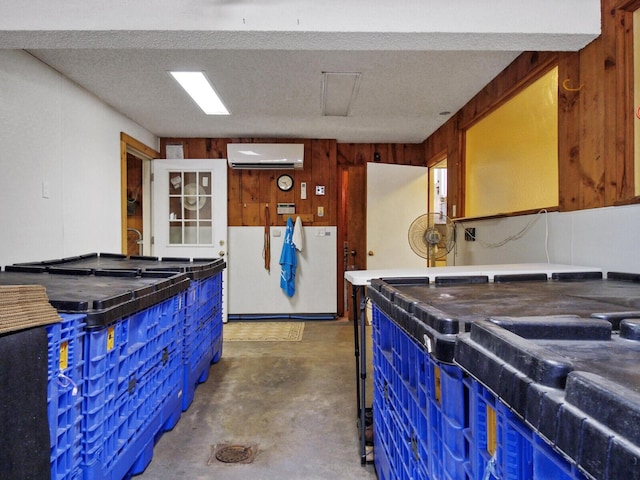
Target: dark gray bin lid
196	269
103	297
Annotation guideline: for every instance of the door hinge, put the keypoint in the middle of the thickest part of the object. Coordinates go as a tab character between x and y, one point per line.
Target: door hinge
153	240
152	177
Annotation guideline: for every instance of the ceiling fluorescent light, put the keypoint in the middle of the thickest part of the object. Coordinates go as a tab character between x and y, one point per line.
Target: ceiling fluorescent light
197	85
339	91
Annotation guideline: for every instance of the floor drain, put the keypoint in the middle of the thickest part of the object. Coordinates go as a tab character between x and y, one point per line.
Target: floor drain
234	453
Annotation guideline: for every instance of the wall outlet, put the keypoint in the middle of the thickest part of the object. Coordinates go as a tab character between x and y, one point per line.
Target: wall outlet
319	189
470	234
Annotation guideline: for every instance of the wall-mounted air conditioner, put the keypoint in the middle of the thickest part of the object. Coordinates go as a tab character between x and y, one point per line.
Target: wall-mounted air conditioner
265	155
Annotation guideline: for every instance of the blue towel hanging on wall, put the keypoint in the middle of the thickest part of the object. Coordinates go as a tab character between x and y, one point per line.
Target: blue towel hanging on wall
288	262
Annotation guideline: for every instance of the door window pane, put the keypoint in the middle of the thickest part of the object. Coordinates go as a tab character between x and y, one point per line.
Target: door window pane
190	212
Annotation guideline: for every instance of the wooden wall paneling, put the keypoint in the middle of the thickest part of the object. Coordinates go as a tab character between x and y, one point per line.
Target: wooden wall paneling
304	207
345	154
381	149
266	185
235	207
568	131
267	195
322	172
328	152
196	148
396	154
592	161
414	154
331	157
612	67
624	106
252	214
216	147
362	153
250	197
628	5
357	214
353	225
518	74
455	169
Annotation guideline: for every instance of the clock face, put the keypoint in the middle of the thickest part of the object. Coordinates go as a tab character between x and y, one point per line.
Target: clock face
285	182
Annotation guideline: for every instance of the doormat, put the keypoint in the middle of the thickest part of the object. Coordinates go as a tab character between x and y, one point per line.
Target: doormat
263	331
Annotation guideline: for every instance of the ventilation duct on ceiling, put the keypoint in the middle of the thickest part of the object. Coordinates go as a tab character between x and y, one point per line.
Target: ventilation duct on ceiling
270	156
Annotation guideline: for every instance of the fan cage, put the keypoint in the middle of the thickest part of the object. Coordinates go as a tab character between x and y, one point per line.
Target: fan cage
433	225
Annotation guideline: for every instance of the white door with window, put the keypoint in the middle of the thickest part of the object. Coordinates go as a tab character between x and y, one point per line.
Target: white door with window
396	196
189	211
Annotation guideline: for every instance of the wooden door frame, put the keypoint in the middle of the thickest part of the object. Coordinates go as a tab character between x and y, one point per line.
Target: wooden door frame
129	144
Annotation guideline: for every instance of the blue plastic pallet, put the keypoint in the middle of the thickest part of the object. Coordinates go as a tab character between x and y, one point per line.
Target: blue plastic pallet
64	395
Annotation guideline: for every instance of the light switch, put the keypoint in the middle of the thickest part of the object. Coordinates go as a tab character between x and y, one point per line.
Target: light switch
321	211
303	191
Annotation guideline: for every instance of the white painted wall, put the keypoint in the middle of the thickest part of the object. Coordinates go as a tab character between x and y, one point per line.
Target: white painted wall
55	132
603	237
253	290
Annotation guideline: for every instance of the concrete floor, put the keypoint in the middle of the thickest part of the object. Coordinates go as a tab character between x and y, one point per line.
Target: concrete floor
296	401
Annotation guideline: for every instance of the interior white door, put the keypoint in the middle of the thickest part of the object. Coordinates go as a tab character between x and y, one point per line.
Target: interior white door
396	195
189	211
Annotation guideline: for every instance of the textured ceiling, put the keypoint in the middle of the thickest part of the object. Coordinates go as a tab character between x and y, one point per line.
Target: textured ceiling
266	58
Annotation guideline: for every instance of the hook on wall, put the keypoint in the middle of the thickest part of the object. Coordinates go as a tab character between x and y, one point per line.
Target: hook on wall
565	85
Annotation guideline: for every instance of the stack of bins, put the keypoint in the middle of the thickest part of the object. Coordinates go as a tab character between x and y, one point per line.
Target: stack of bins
202	331
569	388
429	318
131	381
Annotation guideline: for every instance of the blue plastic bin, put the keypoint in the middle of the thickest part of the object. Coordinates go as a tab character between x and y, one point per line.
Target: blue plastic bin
400	404
134	388
64	395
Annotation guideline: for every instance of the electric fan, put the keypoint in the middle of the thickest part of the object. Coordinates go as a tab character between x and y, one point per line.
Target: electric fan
431	236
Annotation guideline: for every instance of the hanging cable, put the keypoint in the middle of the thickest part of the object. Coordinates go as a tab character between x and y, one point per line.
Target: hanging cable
266	249
490	469
65	381
518	235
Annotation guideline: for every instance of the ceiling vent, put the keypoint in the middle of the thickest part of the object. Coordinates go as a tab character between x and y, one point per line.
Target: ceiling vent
269	156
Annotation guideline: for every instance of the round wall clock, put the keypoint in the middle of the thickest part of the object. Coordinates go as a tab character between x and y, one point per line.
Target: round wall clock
285	182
